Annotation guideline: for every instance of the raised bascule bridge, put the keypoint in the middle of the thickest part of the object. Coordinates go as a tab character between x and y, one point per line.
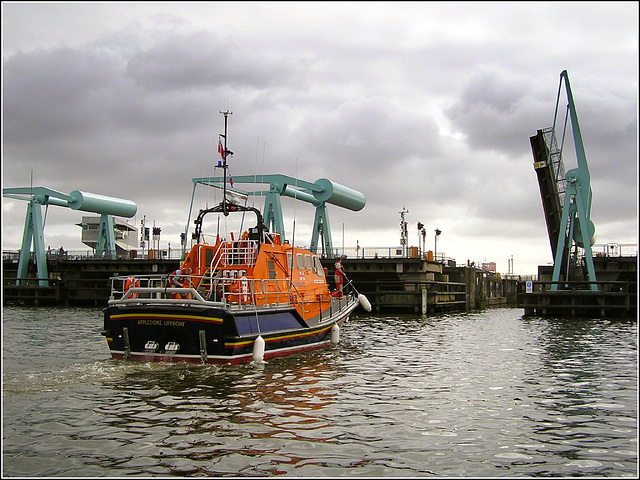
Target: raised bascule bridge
581	282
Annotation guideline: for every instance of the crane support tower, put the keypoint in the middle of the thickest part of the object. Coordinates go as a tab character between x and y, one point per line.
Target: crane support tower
318	193
34	222
566	196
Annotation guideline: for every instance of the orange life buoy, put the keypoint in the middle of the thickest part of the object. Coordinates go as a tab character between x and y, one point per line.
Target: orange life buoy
130	283
232	294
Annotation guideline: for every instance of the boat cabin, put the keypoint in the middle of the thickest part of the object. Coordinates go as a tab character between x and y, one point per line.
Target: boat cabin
259	271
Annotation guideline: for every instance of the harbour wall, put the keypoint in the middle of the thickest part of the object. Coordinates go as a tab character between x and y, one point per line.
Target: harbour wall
422	286
391	284
74	282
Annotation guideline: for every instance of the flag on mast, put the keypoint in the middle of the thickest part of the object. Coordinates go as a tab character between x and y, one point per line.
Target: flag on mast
220	148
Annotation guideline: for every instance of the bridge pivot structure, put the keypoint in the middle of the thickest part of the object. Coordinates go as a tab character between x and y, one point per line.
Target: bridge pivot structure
566	197
318	193
34	223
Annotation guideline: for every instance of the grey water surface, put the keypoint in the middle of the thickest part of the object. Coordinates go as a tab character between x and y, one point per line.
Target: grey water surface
474	395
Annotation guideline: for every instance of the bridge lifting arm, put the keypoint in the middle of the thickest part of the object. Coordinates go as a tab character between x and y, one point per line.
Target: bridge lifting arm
576	227
76	200
319	193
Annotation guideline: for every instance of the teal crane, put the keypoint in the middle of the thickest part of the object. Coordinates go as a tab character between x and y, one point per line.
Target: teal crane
33	233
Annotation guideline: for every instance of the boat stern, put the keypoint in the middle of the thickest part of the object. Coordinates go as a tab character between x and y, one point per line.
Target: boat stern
163	334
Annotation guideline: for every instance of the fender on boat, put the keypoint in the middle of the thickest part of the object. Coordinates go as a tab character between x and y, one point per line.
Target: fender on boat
258	349
364	302
335	334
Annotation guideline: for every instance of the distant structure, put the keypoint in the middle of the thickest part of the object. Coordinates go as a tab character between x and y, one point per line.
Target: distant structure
125	234
489	267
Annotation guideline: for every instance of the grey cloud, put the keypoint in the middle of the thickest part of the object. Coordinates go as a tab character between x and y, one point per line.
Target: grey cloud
498	112
51	92
204	60
432	117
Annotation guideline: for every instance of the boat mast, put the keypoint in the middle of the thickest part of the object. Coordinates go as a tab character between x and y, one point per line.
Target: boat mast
225	152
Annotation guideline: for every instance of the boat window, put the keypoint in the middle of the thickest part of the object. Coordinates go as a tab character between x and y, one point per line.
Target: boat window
307	262
289	260
317	264
300	261
271	266
208	257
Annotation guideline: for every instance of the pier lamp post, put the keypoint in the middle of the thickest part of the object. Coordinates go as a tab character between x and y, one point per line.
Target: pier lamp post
435	248
420	229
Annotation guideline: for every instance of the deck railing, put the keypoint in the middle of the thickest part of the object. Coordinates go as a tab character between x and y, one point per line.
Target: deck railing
224	292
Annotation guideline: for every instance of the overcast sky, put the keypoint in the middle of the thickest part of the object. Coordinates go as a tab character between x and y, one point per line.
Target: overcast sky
427	106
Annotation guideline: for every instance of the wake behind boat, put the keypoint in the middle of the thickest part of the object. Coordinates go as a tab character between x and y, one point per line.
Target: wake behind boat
233	301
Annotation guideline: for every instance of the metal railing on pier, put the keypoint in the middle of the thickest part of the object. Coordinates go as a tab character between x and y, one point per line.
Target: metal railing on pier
14	255
615	249
541	286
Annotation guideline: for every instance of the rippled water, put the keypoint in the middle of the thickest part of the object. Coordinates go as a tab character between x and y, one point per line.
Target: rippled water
486	394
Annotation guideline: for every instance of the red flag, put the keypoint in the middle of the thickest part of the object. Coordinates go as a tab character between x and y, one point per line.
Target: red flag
220	149
231	180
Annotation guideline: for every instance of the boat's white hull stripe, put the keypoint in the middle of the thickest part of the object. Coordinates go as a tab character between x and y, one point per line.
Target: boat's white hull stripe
224	358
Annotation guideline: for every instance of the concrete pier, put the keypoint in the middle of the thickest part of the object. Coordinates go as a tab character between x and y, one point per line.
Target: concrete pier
616	295
427	287
81	282
414	285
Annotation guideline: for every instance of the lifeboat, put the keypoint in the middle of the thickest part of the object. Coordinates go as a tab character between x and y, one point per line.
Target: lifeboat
246	299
